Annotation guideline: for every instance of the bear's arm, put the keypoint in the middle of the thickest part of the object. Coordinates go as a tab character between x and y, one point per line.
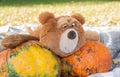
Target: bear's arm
14	40
91	35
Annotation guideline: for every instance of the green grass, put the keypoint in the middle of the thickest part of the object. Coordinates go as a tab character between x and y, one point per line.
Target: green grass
38	2
97	13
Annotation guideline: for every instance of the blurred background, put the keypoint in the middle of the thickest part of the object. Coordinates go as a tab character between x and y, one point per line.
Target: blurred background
96	12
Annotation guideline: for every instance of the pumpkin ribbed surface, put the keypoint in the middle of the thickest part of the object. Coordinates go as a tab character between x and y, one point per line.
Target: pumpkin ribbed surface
92	58
32	60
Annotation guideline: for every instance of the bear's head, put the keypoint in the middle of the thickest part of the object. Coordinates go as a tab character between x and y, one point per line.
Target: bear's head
63	35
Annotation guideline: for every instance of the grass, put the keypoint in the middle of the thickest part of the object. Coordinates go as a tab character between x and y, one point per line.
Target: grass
97	13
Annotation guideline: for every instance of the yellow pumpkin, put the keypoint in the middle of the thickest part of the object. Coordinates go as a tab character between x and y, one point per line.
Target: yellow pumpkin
31	60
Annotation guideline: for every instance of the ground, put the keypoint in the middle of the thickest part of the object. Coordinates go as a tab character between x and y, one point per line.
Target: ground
97	13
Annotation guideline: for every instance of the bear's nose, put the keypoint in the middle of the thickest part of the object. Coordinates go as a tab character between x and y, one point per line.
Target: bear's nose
71	35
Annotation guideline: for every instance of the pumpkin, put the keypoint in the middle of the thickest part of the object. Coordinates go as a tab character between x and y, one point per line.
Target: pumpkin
32	60
92	58
3	70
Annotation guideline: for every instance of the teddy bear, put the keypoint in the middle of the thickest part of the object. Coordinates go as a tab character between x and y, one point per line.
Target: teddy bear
63	35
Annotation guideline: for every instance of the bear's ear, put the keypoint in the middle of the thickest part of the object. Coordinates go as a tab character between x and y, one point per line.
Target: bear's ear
45	17
79	17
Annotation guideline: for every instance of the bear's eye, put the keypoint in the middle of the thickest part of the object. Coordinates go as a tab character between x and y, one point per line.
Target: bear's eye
73	24
64	26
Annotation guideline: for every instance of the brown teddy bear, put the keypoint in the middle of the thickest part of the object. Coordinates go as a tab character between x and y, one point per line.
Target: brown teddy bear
63	35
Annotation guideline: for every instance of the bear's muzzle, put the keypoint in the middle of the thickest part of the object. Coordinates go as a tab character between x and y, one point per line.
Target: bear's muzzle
68	41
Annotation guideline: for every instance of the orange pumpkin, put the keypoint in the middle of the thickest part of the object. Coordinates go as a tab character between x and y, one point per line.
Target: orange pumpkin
3	58
92	58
